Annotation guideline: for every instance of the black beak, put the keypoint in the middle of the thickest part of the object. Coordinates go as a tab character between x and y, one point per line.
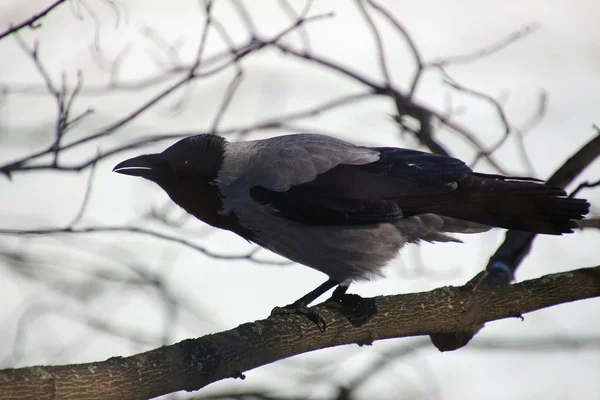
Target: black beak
147	166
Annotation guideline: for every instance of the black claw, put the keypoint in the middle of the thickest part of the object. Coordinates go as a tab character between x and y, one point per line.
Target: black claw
355	308
312	313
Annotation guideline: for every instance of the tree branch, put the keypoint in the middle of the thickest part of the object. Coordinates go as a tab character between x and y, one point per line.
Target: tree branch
31	21
517	244
250	256
504	262
195	363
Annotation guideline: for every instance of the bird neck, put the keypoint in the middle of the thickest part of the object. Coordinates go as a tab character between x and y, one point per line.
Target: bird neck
204	201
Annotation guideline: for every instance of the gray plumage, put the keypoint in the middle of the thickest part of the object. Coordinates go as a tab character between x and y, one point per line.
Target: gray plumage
343	252
283	161
343	209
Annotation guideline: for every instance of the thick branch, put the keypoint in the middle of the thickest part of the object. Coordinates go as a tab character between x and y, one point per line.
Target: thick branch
195	363
517	244
504	262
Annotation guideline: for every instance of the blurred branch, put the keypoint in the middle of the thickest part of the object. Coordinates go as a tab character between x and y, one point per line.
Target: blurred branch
526	344
192	73
404	105
86	198
499	110
576	164
584	185
41	309
81	295
302	31
409	40
378	41
488	50
527	126
590	223
502	265
504	262
281	122
508	128
194	363
231	90
64	100
518	242
32	21
132	229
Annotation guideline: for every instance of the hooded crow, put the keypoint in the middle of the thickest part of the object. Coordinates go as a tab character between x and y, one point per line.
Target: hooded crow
343	209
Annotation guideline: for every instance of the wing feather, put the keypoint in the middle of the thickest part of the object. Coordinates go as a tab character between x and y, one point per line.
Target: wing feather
365	193
281	162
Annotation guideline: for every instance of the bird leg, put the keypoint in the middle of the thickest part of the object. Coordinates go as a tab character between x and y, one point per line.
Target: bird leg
355	308
339	293
300	306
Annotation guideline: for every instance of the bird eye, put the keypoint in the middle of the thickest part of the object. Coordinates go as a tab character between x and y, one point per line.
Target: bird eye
182	165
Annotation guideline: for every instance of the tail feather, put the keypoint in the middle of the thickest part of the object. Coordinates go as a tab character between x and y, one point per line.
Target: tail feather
510	203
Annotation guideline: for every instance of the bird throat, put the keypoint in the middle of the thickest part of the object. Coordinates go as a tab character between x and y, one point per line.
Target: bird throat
204	201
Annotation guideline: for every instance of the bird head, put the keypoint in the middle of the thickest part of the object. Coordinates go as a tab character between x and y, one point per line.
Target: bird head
197	157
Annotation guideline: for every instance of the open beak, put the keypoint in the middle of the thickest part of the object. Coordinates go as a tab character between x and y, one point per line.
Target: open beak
145	166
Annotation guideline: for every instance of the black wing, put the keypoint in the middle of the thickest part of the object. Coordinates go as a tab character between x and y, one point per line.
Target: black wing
404	183
366	194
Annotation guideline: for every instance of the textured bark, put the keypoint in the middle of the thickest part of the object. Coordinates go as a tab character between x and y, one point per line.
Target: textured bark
194	363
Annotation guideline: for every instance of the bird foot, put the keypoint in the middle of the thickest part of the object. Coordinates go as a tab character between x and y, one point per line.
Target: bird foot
312	313
355	308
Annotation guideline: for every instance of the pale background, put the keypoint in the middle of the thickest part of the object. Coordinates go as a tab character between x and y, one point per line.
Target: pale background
41	322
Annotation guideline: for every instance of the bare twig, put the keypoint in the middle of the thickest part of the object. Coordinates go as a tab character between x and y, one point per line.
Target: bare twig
170	50
528	125
289	10
576	164
32	21
378	41
229	93
526	344
502	265
278	123
86	198
245	17
143	231
471	138
189	75
64	101
411	45
584	185
317	110
203	39
36	309
488	50
499	110
404	105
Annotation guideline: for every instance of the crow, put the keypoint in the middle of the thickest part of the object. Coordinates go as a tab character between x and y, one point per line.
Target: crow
343	209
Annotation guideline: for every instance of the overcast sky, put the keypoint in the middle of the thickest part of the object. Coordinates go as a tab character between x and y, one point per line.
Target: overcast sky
557	65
